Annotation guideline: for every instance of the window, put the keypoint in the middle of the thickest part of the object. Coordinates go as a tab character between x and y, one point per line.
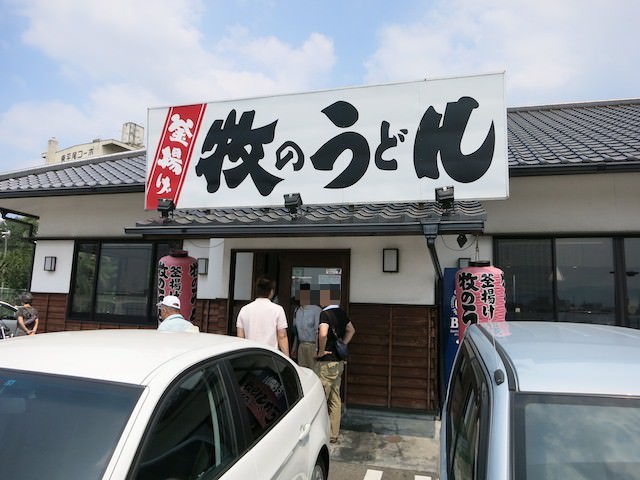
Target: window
632	280
268	387
193	435
52	426
528	277
578	279
466	447
585	281
581	437
469	401
116	281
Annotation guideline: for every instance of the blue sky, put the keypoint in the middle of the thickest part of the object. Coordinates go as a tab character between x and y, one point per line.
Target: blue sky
78	69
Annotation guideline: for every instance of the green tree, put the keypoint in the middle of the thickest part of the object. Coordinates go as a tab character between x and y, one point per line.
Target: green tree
17	250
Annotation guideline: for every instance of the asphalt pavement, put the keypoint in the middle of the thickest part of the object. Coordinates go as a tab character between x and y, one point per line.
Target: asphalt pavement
389	439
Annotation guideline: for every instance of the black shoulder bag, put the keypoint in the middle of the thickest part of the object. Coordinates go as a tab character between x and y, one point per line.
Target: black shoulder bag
342	352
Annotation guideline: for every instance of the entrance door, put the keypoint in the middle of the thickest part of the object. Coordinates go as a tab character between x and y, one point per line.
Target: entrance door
327	274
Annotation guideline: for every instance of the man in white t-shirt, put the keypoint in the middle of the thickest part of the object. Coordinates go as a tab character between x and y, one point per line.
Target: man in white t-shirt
262	320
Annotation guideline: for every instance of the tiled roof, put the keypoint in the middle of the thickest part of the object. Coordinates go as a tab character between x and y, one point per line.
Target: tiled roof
326	220
551	139
572	138
119	172
554	139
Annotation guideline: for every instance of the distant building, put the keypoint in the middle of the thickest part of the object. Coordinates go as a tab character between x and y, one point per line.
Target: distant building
132	139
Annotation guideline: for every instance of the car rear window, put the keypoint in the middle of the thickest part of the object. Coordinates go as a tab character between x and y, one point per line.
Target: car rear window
58	427
576	436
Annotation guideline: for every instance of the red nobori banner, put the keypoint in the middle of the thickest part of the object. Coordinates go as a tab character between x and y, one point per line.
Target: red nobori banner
171	160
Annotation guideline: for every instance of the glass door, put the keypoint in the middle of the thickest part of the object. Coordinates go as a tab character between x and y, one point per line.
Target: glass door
323	277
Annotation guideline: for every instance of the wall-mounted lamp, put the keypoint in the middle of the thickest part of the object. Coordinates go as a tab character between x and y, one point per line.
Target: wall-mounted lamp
390	260
166	207
50	264
462	240
203	266
444	196
292	201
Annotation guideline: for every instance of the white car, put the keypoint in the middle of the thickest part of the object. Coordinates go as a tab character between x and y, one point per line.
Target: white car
143	404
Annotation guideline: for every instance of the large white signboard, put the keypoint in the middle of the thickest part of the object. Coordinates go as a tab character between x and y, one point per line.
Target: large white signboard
376	144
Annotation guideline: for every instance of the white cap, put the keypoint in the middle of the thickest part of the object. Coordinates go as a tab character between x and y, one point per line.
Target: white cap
170	301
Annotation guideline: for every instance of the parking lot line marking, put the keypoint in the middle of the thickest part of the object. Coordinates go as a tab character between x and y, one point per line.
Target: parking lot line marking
421	477
373	475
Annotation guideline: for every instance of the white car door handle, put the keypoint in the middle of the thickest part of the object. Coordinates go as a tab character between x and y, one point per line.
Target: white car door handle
304	431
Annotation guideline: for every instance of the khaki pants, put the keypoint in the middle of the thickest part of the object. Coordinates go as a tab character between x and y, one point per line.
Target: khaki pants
307	354
330	374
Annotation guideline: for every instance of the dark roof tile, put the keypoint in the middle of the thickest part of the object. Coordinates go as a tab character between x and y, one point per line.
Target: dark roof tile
551	139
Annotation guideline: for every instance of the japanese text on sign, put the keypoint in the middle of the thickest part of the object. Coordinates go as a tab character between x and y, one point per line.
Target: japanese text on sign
250	153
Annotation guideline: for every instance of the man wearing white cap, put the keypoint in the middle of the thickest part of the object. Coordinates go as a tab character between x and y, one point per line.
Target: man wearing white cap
171	320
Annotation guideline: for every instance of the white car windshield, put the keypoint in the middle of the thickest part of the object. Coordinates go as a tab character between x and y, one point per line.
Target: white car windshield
577	437
58	427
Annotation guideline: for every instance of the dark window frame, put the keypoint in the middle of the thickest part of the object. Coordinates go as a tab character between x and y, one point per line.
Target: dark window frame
244	417
619	272
519	402
157	250
238	442
470	377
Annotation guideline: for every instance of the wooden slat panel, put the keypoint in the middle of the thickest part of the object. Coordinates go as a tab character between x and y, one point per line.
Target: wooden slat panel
393	357
52	311
411	403
367	400
409	382
377	380
395	344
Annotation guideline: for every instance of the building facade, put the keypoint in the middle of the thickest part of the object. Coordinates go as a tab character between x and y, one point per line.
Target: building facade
567	239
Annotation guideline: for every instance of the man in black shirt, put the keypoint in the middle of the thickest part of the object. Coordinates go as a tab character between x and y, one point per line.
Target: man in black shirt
334	323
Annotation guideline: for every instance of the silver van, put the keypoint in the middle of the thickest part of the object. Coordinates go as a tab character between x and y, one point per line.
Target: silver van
542	401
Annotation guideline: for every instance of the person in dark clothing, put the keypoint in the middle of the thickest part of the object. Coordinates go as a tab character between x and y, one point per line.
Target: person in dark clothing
334	323
27	317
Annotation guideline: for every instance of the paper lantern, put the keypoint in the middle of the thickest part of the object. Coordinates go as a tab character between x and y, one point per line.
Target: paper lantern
480	295
178	275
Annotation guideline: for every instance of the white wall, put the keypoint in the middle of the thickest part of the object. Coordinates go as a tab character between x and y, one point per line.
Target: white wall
585	204
209	285
83	215
582	204
413	284
59	280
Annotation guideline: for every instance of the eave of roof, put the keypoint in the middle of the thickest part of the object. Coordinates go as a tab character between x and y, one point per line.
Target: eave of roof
576	138
319	220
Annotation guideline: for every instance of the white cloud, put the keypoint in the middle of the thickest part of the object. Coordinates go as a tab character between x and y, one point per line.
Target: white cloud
130	56
157	43
549	49
116	39
26	127
121	57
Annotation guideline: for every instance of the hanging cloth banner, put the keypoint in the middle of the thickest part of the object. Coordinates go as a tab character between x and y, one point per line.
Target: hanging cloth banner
480	295
171	159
